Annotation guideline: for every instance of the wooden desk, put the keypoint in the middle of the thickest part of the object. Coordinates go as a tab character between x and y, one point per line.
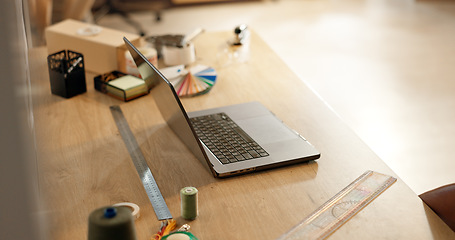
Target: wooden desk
83	162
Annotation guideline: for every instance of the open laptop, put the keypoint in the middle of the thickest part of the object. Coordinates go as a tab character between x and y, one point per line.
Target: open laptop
231	140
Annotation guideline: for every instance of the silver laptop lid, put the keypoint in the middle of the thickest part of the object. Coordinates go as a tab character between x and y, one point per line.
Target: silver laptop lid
168	103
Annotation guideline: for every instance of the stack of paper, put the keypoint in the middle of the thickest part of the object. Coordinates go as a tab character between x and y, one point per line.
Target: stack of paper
126	87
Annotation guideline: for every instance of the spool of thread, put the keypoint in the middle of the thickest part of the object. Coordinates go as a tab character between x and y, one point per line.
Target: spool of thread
188	203
111	223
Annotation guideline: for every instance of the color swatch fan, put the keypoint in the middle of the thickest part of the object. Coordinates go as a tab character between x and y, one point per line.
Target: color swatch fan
195	81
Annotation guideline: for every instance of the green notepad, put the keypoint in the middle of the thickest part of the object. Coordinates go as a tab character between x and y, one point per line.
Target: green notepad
126	82
127	87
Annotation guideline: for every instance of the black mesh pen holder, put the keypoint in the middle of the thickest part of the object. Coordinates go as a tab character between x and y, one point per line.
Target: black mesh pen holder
67	73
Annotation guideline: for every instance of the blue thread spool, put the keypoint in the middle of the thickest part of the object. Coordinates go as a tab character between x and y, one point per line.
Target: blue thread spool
111	223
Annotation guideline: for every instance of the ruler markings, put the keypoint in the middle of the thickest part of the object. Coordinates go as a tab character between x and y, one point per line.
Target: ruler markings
341	207
151	187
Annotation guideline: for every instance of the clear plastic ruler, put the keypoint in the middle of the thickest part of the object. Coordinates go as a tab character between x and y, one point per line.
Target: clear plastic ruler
151	187
341	207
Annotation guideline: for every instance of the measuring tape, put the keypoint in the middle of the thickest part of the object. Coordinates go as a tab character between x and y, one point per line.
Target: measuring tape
340	208
151	188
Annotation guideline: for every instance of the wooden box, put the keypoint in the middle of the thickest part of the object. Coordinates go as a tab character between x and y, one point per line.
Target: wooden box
103	48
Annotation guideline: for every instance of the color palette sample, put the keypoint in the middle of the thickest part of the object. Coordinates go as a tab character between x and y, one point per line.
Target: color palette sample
190	82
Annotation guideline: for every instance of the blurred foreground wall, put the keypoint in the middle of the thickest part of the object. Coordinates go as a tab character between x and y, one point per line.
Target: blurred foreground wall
18	169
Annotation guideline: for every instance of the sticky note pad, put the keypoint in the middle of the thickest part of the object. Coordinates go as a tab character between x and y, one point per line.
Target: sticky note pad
126	82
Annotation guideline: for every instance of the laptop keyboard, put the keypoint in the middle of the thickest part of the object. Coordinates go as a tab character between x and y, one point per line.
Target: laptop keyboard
225	139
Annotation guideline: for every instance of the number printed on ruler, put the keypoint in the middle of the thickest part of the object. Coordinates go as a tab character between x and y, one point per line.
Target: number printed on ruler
151	187
340	208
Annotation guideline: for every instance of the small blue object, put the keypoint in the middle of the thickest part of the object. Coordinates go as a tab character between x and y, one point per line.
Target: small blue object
110	212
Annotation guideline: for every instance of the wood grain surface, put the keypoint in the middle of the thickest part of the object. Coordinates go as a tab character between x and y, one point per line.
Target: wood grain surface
84	164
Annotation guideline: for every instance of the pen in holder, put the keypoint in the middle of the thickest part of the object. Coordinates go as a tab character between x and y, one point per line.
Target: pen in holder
67	73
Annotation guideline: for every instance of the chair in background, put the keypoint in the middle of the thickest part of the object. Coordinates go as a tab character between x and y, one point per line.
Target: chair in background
43	13
442	201
37	15
123	7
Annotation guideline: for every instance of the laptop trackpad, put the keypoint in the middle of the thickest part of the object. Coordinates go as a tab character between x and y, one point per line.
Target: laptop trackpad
266	129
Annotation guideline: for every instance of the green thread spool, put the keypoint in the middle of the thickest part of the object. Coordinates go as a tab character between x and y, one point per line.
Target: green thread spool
111	223
188	203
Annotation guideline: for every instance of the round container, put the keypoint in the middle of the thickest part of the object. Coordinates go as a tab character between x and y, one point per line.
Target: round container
174	55
135	210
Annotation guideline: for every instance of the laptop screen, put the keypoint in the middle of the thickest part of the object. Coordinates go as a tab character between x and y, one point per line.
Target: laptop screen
167	102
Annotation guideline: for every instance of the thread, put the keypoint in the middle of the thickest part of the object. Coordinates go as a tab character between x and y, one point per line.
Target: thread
189	203
111	223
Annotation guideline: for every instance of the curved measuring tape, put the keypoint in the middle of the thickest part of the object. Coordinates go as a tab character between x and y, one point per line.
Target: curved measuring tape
180	236
134	208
